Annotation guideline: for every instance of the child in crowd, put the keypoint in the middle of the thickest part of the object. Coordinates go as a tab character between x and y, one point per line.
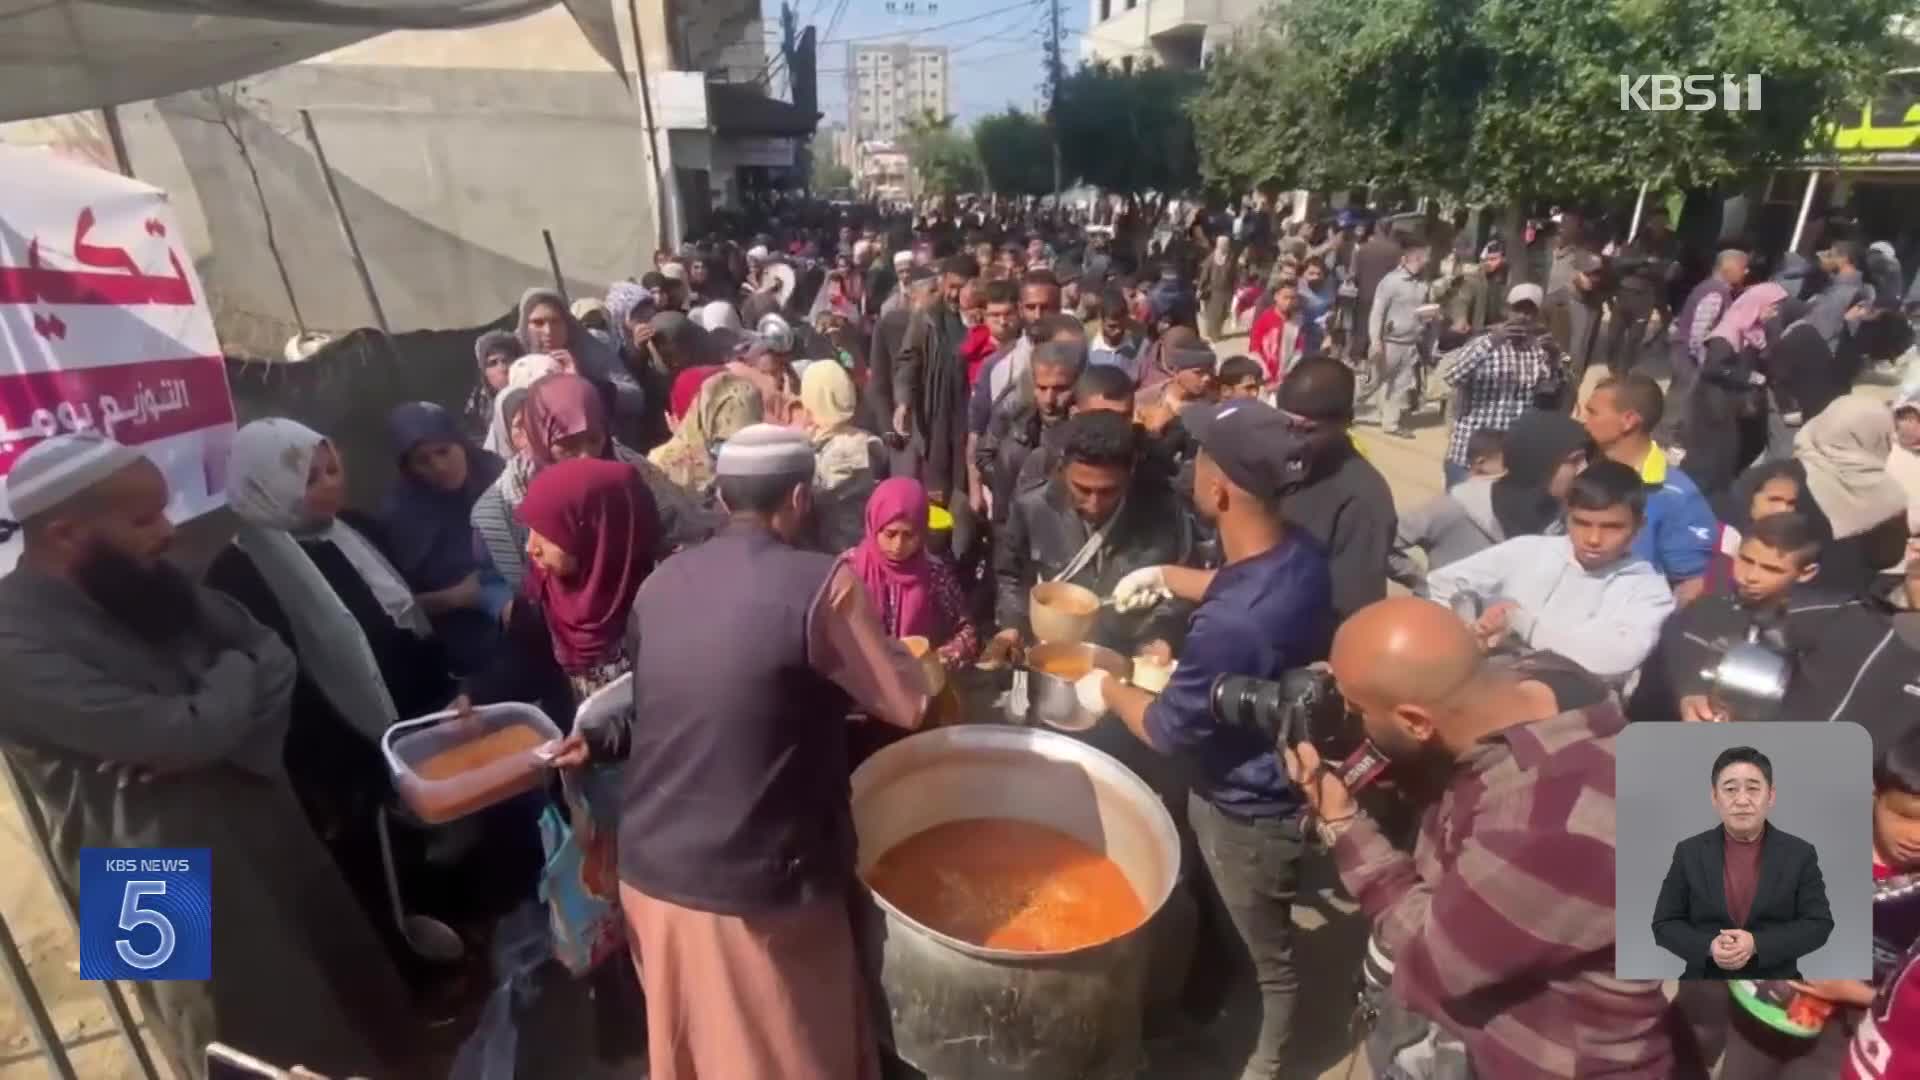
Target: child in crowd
1487	453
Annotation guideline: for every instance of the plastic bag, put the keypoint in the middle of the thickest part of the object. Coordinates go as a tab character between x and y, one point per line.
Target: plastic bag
519	948
580	885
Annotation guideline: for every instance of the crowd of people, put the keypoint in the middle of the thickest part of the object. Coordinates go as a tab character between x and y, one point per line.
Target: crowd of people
742	479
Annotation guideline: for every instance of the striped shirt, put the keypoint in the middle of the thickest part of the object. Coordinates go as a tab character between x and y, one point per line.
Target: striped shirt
1501	921
1497	376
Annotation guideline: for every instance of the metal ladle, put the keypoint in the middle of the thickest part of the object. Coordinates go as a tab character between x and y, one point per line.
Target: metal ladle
428	937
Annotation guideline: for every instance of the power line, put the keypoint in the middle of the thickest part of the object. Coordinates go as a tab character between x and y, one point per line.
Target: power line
939	26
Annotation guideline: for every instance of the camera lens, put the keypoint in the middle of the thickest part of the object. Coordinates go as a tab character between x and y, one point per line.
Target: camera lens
1243	701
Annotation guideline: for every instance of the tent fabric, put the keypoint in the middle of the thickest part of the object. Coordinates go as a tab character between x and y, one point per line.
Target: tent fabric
62	56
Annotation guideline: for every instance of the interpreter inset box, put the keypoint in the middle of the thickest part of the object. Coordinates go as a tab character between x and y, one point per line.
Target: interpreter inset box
1744	851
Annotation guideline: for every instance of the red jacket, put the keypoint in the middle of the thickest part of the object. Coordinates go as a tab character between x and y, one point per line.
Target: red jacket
975	348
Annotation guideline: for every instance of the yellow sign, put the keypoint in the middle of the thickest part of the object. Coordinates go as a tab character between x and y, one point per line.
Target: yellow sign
1890	122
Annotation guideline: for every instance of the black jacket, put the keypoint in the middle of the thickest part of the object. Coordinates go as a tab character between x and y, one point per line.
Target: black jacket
1013	435
1848	662
1347	507
1789	918
1043	533
929	379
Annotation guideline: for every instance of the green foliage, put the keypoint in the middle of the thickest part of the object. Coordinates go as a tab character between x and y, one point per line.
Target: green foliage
1497	100
1016	152
1129	132
943	159
830	175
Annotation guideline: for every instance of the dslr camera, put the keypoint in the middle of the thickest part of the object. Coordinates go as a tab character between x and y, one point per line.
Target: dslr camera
1303	705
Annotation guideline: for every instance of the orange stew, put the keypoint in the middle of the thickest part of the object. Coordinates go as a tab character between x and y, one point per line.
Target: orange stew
1008	884
479	753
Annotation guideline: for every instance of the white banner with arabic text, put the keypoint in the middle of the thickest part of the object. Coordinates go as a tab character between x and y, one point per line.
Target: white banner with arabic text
104	326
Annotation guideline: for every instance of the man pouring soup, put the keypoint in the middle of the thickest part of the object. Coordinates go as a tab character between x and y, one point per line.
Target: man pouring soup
1268	610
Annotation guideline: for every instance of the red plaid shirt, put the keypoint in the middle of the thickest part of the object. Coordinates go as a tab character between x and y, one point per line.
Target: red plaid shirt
1501	921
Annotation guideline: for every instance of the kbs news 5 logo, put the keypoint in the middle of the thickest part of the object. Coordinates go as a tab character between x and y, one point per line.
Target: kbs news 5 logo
146	914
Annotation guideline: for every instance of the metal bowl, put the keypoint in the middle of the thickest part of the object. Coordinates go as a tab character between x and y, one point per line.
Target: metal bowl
1060	612
1750	681
1052	699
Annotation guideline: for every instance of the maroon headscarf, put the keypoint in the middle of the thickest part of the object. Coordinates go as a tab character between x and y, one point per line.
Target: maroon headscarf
905	589
560	406
601	513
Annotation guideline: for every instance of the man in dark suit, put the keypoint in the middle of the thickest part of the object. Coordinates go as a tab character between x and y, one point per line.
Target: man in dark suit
1744	900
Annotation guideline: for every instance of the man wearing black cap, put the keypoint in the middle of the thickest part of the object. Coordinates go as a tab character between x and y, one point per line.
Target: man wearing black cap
1268	610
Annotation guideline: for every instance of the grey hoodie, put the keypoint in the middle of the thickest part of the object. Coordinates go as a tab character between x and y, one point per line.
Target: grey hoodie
1448	528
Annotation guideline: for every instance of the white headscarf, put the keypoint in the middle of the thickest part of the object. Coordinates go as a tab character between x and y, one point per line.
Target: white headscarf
717	315
267	489
521	374
1844	450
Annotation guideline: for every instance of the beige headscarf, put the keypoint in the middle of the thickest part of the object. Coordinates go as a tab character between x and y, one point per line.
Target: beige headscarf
1844	450
830	399
726	403
841	451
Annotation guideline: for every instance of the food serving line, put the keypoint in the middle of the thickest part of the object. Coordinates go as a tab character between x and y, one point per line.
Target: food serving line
1029	962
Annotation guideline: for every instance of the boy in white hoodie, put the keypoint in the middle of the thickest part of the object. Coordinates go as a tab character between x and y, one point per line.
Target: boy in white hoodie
1583	595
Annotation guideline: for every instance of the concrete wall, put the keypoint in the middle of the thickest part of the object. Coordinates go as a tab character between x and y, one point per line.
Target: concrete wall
448	176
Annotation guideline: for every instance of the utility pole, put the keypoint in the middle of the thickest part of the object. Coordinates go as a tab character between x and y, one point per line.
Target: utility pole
789	39
1053	93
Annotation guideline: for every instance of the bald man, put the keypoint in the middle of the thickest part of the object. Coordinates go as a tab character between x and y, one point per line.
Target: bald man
144	711
1500	923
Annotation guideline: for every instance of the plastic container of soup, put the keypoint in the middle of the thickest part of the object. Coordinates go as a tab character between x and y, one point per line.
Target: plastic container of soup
446	767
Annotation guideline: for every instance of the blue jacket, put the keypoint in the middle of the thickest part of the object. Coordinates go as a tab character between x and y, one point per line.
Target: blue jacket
1678	535
1260	617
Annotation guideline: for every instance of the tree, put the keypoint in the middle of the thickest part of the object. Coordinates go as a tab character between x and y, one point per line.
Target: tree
830	176
1016	152
1129	133
943	159
1512	100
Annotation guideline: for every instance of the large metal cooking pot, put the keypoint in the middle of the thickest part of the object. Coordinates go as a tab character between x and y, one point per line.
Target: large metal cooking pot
958	1011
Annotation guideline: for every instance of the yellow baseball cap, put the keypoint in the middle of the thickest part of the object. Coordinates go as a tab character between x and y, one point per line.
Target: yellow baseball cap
939	519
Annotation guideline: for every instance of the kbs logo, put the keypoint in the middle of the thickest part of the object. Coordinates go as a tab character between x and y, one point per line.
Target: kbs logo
146	913
1691	93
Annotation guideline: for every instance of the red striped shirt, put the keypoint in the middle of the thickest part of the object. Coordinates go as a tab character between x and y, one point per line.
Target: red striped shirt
1501	921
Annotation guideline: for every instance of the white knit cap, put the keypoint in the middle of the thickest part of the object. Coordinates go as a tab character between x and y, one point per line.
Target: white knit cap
765	450
59	468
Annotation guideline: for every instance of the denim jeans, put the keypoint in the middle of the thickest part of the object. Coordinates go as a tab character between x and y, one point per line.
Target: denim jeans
1253	872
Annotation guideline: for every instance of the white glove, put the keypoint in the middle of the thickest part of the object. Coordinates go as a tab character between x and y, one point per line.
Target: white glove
1141	590
1089	689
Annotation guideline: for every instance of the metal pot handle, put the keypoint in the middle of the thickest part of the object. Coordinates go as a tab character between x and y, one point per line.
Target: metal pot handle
386	738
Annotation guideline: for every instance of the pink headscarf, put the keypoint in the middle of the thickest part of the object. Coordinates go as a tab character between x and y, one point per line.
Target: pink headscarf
902	589
1741	325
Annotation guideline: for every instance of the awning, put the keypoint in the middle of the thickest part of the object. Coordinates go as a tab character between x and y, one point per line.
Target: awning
62	56
736	109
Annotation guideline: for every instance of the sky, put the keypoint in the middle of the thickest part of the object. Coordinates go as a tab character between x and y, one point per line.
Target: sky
995	56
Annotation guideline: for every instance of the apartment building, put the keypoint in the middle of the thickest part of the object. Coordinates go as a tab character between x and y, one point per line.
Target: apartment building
888	85
1170	33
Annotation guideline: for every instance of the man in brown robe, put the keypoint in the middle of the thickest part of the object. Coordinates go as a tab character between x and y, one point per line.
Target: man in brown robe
736	834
